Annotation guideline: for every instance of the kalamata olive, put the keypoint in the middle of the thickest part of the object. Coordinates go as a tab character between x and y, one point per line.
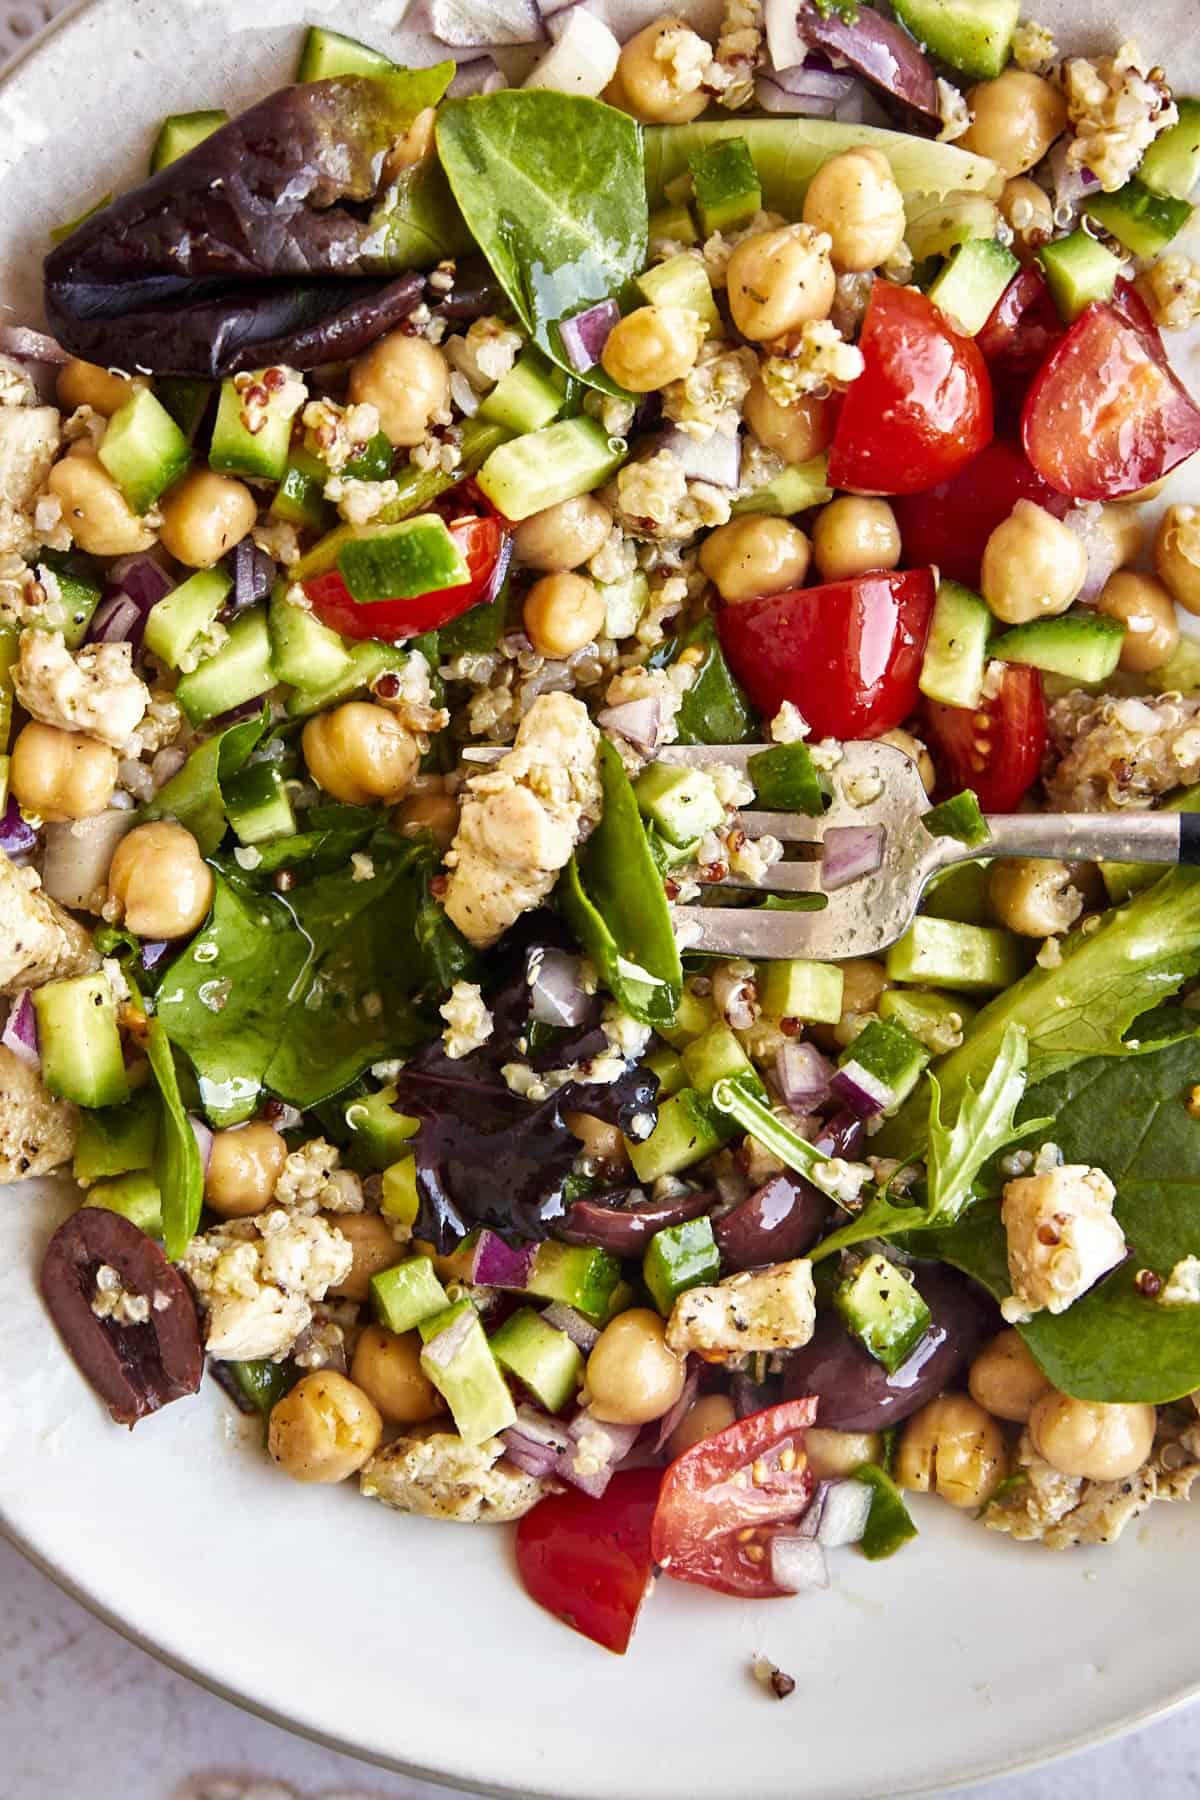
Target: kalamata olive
626	1230
778	1221
856	1393
135	1365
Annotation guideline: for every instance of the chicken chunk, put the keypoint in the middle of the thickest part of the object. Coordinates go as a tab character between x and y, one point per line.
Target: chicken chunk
93	690
37	1132
1062	1238
29	437
439	1476
257	1279
1061	1511
523	819
772	1309
39	942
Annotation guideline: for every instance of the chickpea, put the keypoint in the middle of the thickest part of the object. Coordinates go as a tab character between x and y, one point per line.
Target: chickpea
324	1429
388	1370
1147	611
360	753
755	555
832	1454
407	380
1120	524
204	515
1032	896
703	1418
954	1449
601	1141
797	433
243	1167
854	198
864	980
374	1247
160	881
1033	567
1089	1438
101	520
646	84
1026	209
778	280
562	613
433	809
563	536
451	1265
852	535
61	774
1005	1380
917	751
1014	120
651	346
87	384
632	1377
1177	554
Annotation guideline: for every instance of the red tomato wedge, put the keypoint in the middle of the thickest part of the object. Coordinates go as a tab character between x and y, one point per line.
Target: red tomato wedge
588	1561
1025	325
486	546
949	525
725	1499
1105	415
847	654
996	747
922	406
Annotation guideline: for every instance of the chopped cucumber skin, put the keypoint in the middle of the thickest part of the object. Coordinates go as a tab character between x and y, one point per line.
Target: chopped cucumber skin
931	1018
116	1140
398	562
960	893
956	650
794	490
470	1382
683	803
1145	222
261	453
82	1058
667	1064
80	588
681	281
1083	645
300	496
327	54
257	805
889	1525
304	653
179	618
136	1196
1078	270
381	1133
785	780
971	283
678	1258
694	1014
798	989
726	185
689	1128
673	224
958	817
544	467
144	450
975	36
407	1294
239	671
1171	165
883	1309
578	1276
539	1355
530	396
716	1056
181	133
938	227
366	661
373	463
942	953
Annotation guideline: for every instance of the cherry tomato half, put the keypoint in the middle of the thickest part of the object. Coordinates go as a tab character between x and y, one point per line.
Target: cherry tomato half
1105	415
588	1561
922	406
752	1478
996	747
950	524
1022	330
486	547
848	654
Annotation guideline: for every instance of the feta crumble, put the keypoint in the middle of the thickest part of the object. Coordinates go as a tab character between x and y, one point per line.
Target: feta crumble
469	1024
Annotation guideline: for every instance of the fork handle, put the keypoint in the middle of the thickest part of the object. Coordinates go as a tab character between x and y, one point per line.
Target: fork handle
1159	837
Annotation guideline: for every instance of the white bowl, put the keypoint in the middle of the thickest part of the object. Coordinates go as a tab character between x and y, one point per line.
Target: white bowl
410	1642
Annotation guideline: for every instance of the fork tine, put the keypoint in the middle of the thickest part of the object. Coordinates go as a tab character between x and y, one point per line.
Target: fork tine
789	828
782	878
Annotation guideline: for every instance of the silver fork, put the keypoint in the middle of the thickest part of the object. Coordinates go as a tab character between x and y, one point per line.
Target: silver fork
876	785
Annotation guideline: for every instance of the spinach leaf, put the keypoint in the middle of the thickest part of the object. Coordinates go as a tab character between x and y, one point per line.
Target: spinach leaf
553	189
178	1170
715	710
299	994
331	836
612	895
1128	1117
194	795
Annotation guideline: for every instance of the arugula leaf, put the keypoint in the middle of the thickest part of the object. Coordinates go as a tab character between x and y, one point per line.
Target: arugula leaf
553	189
612	895
1129	1118
299	995
178	1170
194	796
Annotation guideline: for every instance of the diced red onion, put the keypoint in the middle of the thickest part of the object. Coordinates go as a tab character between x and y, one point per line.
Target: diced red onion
612	1443
798	1564
802	1076
115	621
810	81
204	1139
78	855
26	345
581	1331
849	852
716	459
637	721
677	1414
861	1091
16	837
845	1509
496	1264
154	954
482	75
585	335
786	47
536	1443
166	764
253	574
555	991
841	1136
1067	184
1086	523
776	99
141	577
20	1034
484	24
541	1446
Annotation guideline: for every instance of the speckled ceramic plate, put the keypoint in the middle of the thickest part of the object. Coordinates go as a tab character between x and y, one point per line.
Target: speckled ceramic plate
410	1642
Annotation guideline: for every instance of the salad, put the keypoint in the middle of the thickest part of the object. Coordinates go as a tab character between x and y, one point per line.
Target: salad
408	461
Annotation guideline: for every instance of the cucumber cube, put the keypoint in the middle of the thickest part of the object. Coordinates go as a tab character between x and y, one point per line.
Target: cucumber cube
726	185
786	781
883	1309
935	1020
543	467
971	283
459	1363
694	1014
542	1357
529	396
186	398
624	604
673	224
972	35
682	281
941	953
365	663
580	1277
960	893
257	805
794	490
327	54
407	1293
1145	222
689	1129
1078	270
889	1523
374	462
683	803
680	1257
667	1064
254	439
304	653
956	649
381	1134
143	449
79	589
82	1059
1172	163
1083	645
397	562
717	1056
135	1196
801	990
181	133
239	671
300	497
176	621
887	1056
114	1140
